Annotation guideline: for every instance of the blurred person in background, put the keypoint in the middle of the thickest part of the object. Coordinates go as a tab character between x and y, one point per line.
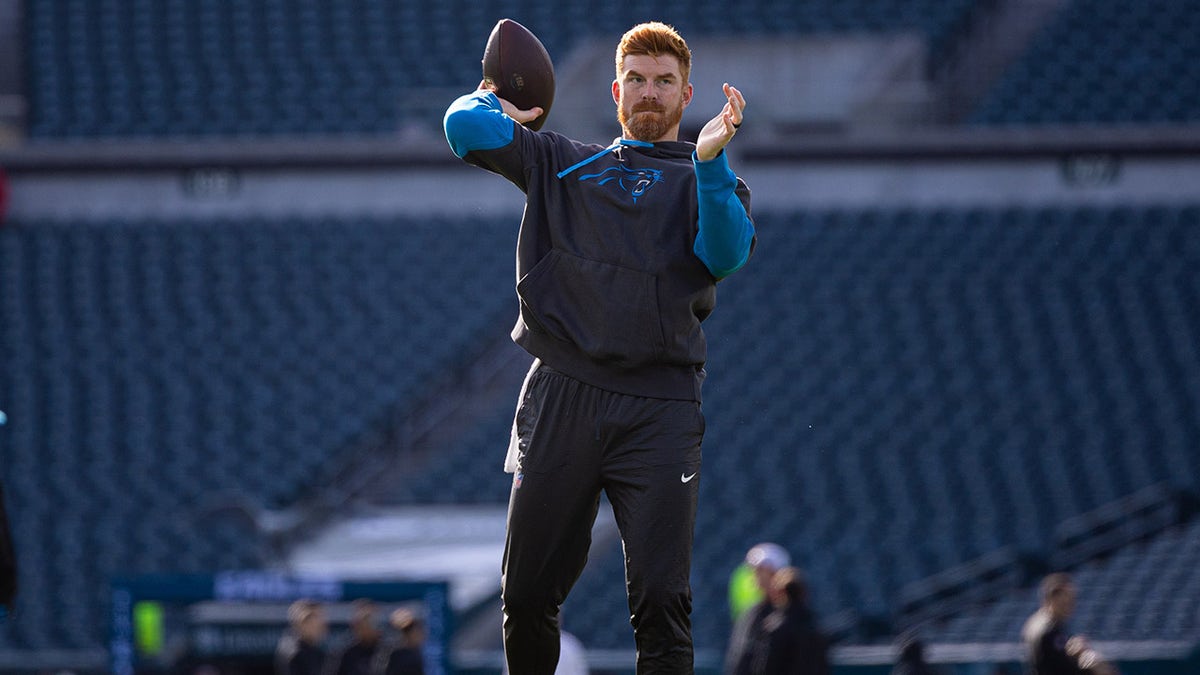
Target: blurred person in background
744	592
791	642
404	657
764	560
358	654
1050	650
300	650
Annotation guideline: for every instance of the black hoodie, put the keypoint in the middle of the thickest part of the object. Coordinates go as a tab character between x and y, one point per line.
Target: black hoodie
611	291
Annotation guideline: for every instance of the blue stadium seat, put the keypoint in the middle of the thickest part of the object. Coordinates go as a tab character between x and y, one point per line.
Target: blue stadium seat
1104	62
891	394
134	68
162	366
1143	592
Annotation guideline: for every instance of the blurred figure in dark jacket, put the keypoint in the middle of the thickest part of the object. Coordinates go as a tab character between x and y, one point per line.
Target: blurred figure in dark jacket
765	560
1050	648
357	656
792	642
300	650
406	656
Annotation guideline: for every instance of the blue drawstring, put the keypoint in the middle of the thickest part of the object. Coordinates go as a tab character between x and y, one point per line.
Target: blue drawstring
616	144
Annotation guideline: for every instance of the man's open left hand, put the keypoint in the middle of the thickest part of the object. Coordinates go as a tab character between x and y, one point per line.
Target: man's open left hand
720	129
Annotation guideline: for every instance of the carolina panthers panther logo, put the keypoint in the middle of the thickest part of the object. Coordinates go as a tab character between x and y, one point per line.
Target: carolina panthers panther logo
634	181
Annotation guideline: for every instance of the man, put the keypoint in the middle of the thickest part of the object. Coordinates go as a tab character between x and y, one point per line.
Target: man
299	651
618	257
791	642
764	560
358	655
405	656
1048	648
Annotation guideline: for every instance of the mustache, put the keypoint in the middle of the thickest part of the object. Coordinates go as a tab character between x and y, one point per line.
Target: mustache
648	107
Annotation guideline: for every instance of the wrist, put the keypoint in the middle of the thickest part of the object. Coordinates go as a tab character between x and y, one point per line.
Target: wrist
713	173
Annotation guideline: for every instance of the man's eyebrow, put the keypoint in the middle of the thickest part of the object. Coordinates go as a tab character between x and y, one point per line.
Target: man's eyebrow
634	73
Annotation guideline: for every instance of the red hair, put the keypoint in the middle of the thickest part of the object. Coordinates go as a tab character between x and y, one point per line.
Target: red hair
654	38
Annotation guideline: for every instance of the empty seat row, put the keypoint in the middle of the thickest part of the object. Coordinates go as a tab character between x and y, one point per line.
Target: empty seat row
301	67
1104	62
890	393
165	379
893	393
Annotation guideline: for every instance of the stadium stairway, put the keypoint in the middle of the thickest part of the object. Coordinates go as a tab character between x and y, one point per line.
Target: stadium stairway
1145	591
1087	539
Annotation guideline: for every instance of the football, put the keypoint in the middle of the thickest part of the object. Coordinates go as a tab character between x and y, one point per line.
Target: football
517	63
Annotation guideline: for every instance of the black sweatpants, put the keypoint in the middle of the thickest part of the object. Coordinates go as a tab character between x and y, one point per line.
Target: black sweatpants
576	440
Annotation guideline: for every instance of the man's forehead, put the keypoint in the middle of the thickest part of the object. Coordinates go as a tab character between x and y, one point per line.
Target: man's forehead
650	65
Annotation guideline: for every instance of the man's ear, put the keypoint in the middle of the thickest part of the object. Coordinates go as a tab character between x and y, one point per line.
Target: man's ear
616	87
687	94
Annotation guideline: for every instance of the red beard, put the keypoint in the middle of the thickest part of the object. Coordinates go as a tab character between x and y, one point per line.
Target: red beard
649	122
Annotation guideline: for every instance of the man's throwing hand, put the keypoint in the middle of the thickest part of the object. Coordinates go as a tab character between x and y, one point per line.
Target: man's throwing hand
720	129
521	116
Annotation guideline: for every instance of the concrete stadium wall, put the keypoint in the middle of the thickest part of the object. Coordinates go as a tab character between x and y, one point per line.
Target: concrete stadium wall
229	190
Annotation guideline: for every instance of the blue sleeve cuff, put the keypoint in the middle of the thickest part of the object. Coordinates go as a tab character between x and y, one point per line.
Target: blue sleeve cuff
725	232
476	121
715	173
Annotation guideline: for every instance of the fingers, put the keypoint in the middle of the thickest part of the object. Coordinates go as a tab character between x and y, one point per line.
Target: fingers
734	95
531	114
722	127
736	102
522	116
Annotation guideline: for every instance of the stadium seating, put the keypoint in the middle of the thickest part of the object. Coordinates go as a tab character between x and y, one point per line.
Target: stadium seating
159	374
938	384
471	473
1105	62
1148	591
894	393
891	393
139	68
